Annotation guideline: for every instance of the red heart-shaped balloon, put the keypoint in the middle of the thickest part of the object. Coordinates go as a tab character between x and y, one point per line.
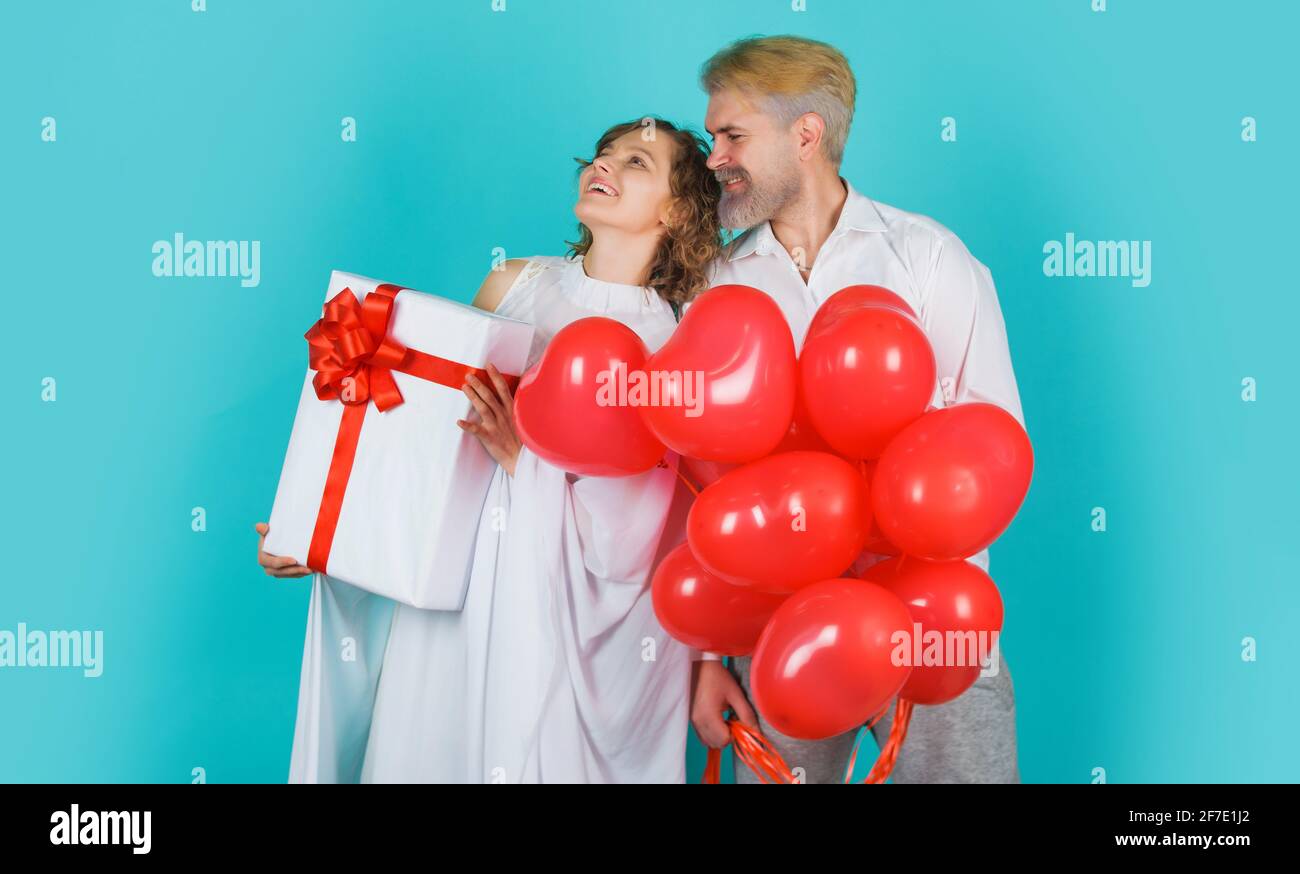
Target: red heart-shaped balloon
825	663
781	522
728	375
952	481
705	611
866	373
568	409
959	612
854	296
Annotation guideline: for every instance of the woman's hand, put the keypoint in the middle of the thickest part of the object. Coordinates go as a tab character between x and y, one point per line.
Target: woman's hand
496	410
277	565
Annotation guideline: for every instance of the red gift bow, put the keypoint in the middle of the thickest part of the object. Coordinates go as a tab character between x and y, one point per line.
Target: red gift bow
354	359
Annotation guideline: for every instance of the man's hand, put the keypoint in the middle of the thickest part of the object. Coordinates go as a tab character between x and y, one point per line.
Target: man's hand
277	565
714	691
496	410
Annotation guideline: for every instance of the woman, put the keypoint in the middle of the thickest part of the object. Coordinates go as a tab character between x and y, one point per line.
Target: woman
556	669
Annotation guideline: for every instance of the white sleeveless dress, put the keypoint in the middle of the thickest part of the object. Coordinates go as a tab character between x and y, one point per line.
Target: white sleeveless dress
556	670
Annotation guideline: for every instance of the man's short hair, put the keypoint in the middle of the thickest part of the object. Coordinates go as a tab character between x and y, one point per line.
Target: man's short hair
788	76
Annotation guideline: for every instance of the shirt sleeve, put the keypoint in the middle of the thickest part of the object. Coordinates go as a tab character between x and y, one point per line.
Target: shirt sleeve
963	319
611	546
621	519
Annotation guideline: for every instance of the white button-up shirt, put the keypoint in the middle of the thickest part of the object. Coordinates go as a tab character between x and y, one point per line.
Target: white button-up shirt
918	259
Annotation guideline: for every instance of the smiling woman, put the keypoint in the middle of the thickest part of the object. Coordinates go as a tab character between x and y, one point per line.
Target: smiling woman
556	669
618	193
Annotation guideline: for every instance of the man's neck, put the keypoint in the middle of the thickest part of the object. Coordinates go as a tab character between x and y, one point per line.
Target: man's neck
803	226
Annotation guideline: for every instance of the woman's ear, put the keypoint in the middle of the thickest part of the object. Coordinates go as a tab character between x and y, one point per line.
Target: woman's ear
668	215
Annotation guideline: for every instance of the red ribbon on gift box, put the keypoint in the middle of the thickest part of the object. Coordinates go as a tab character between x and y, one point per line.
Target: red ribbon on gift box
354	359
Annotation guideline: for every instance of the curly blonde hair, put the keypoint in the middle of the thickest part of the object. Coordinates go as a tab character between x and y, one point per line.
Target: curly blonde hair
680	267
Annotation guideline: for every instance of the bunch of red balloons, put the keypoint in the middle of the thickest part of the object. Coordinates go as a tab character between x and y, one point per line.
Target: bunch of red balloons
805	463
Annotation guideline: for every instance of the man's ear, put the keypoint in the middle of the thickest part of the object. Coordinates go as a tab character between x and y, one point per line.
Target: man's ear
810	127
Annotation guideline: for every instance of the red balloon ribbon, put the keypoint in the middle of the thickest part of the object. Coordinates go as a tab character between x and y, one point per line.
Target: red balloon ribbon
758	754
354	359
884	765
694	489
753	750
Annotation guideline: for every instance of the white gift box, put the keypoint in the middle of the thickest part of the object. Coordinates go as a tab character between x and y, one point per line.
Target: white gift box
410	509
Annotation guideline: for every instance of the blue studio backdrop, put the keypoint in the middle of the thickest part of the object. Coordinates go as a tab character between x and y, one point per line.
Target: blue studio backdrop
1150	579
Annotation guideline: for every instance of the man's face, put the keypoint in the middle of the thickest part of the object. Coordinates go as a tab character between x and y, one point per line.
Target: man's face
755	159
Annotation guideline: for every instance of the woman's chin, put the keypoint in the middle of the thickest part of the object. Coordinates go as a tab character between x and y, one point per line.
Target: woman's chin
593	216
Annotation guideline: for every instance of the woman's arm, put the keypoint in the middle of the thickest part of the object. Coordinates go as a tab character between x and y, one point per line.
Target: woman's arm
493	402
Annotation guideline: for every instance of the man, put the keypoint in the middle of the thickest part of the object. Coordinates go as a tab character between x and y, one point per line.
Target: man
779	114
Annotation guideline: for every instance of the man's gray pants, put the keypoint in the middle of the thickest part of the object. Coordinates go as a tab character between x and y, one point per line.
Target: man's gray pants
971	739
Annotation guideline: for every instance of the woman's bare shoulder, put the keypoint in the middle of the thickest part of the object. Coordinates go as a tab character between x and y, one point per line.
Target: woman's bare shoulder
497	283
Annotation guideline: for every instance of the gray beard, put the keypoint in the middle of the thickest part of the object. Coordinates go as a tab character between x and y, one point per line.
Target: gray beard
757	204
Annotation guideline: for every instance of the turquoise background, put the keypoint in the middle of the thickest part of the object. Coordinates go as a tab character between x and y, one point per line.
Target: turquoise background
1125	645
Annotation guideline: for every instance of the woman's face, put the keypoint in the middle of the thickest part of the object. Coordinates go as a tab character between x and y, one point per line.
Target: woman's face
626	187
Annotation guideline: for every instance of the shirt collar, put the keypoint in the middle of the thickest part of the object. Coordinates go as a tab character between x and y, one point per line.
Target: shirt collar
859	213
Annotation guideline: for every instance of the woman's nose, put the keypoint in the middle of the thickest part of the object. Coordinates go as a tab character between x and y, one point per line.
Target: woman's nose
602	166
